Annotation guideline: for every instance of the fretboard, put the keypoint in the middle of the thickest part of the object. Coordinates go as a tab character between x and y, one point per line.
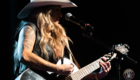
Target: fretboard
86	70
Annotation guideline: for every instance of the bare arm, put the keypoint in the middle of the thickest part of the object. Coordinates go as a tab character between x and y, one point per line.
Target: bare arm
25	45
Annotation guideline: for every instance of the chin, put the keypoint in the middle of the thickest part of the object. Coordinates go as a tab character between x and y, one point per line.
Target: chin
56	21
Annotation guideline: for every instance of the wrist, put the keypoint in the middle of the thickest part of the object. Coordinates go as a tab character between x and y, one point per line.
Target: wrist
58	69
98	75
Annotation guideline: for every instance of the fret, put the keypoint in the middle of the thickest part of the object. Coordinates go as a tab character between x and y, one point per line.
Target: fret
77	76
93	64
90	68
72	76
97	63
86	70
82	72
93	68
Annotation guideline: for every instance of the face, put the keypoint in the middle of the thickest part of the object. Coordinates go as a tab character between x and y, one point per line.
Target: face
56	13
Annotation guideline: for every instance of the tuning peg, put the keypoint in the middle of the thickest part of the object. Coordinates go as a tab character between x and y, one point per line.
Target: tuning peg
119	44
126	46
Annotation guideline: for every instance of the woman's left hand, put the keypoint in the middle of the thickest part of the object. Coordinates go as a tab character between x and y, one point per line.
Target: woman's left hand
105	68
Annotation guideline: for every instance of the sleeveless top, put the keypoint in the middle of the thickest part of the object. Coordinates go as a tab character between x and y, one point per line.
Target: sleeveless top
19	67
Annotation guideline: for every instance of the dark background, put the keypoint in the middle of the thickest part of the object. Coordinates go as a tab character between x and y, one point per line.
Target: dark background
114	22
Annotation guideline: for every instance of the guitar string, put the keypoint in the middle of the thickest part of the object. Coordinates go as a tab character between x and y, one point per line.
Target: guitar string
94	65
86	71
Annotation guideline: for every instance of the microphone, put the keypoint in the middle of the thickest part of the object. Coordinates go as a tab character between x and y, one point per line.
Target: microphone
83	25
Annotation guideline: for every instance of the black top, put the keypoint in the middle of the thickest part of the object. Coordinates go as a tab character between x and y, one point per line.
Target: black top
18	66
36	48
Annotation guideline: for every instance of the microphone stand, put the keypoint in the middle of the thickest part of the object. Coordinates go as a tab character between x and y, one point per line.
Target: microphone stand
88	33
118	65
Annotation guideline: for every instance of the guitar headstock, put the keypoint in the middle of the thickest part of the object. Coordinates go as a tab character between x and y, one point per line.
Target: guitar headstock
121	48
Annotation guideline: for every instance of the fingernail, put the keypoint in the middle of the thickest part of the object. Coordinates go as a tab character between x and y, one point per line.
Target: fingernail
100	62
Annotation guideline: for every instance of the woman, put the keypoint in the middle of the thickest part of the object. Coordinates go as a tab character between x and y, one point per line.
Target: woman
42	40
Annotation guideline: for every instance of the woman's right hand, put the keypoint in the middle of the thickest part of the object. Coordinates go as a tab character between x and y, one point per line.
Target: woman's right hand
65	69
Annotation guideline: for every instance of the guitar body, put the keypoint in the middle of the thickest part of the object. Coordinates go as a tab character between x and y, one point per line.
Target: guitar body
31	74
77	74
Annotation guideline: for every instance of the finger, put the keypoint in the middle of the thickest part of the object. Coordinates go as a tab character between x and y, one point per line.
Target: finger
71	71
103	66
72	65
109	65
103	58
106	67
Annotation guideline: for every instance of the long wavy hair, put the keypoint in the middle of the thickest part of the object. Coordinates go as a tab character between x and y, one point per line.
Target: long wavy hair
58	38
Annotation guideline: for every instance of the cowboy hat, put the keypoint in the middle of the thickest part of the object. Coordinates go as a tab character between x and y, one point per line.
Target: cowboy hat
38	3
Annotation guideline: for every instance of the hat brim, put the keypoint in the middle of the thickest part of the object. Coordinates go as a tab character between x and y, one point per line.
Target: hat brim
29	7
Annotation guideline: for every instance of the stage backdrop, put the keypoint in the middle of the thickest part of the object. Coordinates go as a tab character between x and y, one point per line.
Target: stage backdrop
114	22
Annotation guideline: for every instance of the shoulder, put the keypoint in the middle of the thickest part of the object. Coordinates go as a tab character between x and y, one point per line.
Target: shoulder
28	26
27	38
27	32
22	26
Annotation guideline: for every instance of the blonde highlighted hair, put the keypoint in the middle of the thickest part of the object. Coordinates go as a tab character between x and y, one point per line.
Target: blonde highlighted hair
58	38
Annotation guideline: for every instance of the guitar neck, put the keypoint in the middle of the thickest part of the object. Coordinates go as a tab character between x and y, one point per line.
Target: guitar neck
86	70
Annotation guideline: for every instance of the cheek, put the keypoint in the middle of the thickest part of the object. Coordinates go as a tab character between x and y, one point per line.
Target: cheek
53	14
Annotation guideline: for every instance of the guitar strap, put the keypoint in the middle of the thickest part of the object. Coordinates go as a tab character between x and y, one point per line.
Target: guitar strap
72	56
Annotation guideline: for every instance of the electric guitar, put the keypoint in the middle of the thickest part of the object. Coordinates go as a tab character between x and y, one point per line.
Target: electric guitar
77	74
